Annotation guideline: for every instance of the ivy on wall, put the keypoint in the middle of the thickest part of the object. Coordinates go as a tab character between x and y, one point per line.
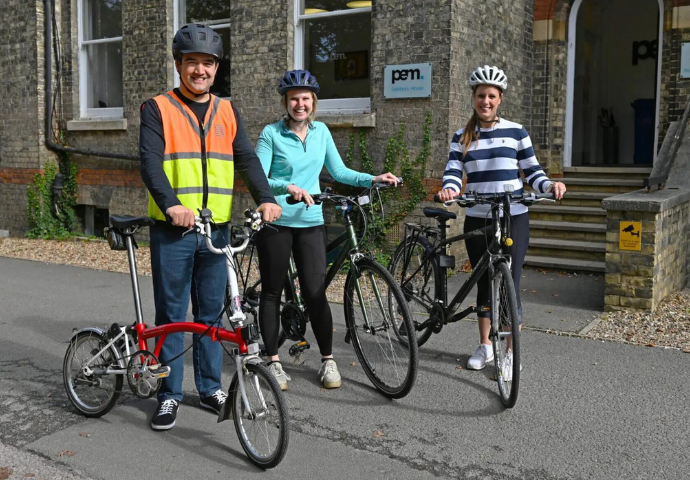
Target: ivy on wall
51	212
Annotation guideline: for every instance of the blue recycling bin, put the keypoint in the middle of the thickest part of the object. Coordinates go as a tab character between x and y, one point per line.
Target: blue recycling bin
644	130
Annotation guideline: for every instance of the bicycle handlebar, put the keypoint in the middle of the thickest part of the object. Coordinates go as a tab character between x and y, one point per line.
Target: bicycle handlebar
252	224
328	193
472	198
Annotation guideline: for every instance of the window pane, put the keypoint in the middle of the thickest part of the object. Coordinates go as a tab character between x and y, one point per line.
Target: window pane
337	51
203	10
221	86
102	19
104	82
313	6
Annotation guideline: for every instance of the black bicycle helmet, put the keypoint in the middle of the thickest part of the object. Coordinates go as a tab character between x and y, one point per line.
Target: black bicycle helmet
197	38
298	79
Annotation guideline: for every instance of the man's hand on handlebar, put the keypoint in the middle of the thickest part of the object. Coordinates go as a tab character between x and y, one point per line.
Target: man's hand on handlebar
270	212
557	188
300	195
181	216
388	178
447	195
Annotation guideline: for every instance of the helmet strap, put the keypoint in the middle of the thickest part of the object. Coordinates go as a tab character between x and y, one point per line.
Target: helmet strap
190	92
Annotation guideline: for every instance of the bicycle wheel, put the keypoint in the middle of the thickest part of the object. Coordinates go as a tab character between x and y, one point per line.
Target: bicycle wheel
95	393
377	317
419	288
248	277
263	430
505	334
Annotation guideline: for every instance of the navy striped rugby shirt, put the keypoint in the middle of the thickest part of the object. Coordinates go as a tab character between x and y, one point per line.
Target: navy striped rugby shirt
495	160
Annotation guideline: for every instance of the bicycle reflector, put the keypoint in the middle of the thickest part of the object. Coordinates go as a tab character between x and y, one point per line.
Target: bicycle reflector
508	242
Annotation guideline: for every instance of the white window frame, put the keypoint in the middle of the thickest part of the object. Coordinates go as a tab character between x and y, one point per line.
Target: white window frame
84	111
339	105
219	24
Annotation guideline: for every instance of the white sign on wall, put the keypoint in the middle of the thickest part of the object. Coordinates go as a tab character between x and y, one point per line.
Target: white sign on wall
407	81
685	60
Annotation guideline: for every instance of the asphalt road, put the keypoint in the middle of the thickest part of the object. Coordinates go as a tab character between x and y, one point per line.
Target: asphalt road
587	409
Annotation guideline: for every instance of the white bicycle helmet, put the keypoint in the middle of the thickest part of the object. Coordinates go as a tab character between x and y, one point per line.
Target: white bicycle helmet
487	75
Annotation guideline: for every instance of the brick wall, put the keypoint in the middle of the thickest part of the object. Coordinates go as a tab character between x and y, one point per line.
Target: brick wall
642	279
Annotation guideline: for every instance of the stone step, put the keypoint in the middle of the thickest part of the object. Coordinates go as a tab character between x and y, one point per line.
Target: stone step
566	209
568	226
613	171
561	244
584	199
565	213
558	263
603	182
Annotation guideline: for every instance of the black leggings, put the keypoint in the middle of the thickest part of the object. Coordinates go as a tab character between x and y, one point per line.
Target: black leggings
476	246
308	246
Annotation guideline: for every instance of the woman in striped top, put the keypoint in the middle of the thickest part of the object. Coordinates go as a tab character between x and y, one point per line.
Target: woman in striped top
492	151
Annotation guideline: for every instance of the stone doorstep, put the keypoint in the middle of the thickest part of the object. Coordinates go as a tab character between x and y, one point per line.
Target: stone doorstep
603	182
556	243
567	209
559	263
571	226
620	171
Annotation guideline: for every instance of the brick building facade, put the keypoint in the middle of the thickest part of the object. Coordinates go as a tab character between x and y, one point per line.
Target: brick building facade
527	38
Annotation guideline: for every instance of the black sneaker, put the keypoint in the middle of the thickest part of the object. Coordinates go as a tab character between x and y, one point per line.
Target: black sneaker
166	413
214	402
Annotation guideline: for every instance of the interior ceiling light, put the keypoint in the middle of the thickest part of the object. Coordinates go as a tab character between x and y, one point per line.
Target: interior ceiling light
359	4
310	11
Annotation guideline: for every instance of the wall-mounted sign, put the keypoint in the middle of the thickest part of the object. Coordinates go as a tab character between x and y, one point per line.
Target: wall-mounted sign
685	60
407	81
630	236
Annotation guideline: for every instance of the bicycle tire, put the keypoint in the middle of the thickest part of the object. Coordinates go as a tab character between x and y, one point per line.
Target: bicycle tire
96	394
248	278
254	431
389	363
420	290
504	320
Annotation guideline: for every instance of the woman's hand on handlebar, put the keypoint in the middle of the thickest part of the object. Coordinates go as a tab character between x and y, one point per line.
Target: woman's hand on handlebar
270	212
388	178
558	189
300	195
447	195
181	216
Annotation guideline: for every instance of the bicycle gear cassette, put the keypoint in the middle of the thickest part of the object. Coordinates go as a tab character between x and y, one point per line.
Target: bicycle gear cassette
145	374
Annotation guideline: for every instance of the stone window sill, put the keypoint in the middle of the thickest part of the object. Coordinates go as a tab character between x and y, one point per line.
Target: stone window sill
360	120
94	125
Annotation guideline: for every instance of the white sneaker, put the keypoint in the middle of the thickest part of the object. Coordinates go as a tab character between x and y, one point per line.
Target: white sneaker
483	354
276	368
506	368
329	375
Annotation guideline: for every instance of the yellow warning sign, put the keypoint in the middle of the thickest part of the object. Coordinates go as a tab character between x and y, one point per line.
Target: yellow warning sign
630	236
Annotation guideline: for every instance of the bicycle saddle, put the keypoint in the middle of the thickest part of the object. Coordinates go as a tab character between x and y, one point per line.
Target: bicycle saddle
128	221
439	213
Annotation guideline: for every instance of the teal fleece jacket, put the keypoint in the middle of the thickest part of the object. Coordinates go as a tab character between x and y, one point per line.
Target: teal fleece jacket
287	160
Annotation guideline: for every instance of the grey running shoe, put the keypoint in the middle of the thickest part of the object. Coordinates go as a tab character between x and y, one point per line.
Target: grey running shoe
483	354
329	375
277	370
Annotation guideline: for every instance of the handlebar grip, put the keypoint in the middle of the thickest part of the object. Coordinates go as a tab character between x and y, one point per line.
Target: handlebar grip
437	199
290	200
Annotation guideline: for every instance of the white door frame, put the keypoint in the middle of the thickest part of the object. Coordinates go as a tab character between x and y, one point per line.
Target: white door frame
570	81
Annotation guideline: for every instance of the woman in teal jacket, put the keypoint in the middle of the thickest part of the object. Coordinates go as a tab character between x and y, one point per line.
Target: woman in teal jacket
293	152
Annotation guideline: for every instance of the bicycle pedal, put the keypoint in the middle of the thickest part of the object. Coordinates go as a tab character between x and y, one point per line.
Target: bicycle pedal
159	371
298	348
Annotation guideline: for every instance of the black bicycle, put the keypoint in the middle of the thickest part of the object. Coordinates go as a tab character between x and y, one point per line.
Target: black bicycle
420	266
379	323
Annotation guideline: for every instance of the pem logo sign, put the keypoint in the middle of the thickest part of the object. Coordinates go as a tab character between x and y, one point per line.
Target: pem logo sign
407	81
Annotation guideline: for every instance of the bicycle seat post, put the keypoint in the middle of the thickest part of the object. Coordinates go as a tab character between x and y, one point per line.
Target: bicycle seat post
131	256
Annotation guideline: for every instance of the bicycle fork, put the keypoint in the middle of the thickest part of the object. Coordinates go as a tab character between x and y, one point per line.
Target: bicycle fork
241	362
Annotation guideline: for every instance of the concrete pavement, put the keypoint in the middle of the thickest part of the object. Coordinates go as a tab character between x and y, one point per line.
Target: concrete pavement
587	409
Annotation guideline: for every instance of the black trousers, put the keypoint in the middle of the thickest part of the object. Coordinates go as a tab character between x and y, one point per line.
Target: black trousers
308	246
476	246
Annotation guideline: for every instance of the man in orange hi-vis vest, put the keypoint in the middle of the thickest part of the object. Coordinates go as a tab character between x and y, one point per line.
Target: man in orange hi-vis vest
191	142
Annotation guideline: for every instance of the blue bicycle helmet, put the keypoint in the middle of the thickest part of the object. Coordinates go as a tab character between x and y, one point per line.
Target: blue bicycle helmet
197	38
298	79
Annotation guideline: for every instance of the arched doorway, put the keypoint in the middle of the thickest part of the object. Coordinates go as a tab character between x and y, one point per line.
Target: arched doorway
613	77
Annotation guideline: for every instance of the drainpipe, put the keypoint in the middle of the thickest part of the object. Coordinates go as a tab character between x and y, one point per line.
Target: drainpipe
56	147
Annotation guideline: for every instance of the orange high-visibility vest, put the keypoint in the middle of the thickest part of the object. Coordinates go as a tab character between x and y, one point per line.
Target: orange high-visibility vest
198	159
